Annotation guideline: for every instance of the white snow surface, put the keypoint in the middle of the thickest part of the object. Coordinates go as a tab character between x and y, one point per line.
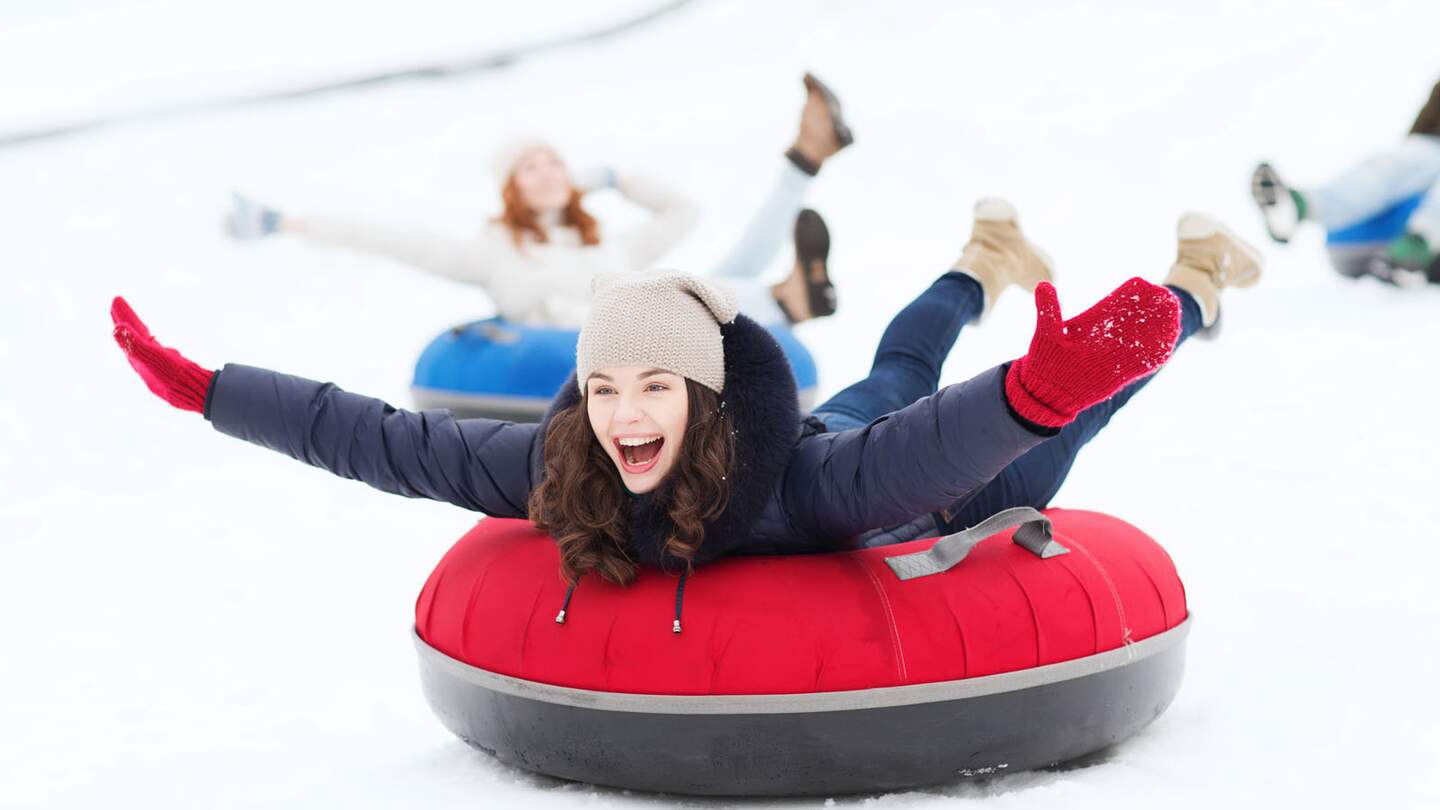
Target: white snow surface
190	621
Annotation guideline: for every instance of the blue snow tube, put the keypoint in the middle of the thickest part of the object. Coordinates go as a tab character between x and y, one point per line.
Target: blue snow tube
1352	248
501	370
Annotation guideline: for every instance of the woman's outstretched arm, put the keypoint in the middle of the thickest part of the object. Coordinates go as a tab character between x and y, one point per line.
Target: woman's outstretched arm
925	457
459	259
480	464
471	261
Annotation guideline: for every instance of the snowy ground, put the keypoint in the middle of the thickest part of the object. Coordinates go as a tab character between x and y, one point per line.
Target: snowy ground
190	621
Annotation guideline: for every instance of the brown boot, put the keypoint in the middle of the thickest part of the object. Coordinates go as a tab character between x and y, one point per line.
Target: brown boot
998	254
823	130
1210	257
807	292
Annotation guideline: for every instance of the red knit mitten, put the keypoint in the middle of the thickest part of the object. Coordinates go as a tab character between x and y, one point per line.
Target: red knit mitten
165	371
1083	361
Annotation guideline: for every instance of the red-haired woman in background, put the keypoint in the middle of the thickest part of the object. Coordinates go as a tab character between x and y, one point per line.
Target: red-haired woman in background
538	257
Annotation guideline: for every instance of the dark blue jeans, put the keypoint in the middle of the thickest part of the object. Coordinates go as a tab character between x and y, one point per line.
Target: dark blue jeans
907	367
912	350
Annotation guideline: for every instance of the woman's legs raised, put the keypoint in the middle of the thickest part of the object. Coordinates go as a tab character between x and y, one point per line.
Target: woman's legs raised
1210	258
915	344
1375	184
818	140
769	227
807	292
756	248
910	354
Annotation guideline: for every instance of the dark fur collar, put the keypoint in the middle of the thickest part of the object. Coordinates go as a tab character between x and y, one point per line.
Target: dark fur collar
761	401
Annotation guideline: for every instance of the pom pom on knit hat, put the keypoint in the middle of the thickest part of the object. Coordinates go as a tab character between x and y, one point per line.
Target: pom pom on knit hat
508	156
666	320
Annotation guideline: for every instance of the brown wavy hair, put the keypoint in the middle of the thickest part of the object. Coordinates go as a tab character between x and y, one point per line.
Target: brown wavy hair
582	502
520	218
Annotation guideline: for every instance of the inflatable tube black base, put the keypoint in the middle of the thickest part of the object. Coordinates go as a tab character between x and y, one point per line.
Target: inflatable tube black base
816	744
1358	261
1353	261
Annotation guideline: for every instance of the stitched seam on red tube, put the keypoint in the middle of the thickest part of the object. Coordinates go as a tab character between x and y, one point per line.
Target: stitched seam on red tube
889	617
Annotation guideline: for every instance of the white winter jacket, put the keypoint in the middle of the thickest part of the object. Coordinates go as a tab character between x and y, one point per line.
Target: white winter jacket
540	284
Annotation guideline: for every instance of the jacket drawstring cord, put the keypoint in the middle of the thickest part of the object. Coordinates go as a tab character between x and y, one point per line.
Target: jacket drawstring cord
679	598
679	602
569	592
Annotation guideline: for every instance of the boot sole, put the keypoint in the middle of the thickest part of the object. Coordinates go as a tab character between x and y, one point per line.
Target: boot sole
843	136
1194	226
1264	184
812	246
812	237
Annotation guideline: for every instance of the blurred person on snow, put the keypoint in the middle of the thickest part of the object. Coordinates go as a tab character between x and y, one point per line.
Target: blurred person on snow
1376	184
680	438
537	258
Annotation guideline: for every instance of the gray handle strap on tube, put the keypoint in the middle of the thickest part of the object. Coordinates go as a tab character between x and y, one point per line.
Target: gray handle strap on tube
1034	535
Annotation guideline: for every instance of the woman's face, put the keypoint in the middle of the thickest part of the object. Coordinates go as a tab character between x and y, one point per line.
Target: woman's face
638	415
543	181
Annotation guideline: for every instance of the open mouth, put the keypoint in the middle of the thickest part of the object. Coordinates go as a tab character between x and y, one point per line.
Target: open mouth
639	454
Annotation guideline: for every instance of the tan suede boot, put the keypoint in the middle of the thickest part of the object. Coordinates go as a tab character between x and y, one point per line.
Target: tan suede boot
1209	259
998	254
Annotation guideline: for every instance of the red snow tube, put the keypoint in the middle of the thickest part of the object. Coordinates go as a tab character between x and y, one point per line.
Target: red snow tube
806	675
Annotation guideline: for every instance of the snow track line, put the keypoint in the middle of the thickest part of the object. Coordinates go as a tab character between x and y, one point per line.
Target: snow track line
482	63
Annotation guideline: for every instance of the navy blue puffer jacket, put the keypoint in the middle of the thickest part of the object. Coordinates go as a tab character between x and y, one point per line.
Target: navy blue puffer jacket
796	488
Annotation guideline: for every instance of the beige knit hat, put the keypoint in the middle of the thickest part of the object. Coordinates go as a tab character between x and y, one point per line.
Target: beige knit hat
502	165
665	320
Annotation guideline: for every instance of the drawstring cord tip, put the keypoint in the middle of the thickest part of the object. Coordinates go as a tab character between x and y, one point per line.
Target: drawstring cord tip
564	606
676	628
